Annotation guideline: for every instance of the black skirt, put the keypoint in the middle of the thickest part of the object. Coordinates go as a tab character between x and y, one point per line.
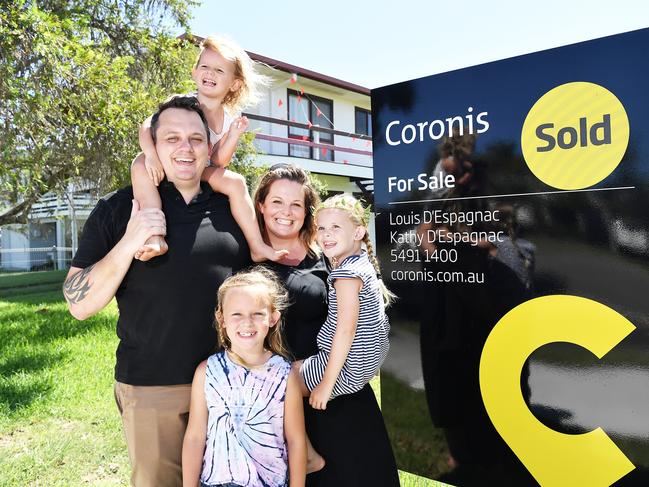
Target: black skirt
351	436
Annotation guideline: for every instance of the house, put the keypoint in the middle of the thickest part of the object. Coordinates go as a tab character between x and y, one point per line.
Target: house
320	123
47	241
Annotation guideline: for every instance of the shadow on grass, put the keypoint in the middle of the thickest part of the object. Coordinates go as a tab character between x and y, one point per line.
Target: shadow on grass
20	293
32	327
419	448
27	279
15	396
27	323
31	362
47	293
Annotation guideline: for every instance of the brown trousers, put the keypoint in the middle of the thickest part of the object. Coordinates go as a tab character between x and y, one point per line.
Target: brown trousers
154	420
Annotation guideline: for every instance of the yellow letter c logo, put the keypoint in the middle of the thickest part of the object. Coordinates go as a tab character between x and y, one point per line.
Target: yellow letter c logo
553	458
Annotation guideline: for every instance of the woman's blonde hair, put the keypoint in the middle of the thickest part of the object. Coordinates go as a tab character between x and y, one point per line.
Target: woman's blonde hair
360	216
277	300
290	172
252	81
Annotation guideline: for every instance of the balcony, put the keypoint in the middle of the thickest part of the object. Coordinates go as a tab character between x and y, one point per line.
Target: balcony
349	155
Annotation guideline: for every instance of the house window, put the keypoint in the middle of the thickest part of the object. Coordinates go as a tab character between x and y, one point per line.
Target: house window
363	121
319	111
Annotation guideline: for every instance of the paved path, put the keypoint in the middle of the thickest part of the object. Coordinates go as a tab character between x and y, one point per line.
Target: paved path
404	360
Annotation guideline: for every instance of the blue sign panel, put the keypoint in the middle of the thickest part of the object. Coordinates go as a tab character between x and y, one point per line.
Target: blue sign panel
512	223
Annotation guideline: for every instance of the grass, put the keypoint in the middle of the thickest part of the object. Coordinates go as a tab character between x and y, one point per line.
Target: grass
418	446
58	421
59	425
24	283
25	279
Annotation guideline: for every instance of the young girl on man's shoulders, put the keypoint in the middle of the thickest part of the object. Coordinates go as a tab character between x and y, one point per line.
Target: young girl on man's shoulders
226	82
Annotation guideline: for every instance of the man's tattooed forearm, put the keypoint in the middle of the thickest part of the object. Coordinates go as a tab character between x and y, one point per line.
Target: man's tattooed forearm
76	287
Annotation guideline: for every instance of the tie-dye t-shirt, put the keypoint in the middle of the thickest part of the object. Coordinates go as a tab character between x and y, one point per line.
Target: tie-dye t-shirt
245	427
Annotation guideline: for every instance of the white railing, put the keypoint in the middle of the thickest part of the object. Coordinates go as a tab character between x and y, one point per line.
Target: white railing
35	259
273	138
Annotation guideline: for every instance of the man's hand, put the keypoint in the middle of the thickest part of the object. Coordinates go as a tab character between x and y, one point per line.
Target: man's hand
88	290
320	396
142	225
154	169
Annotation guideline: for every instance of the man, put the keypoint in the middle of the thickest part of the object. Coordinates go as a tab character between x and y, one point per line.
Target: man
166	305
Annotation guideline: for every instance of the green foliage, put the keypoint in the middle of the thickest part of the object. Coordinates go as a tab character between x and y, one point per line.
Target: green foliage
243	158
76	80
320	186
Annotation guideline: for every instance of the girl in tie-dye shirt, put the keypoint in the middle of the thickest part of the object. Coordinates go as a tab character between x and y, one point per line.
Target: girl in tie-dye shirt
246	422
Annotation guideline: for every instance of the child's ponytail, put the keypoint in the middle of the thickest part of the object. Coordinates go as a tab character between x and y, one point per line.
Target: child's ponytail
388	296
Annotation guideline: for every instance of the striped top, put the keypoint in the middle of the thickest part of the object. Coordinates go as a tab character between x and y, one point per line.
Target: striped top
370	345
245	427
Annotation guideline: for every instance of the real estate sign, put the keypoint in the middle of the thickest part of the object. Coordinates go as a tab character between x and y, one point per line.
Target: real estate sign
513	223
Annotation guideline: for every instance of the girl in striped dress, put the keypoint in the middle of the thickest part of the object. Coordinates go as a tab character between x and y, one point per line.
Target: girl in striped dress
353	341
246	419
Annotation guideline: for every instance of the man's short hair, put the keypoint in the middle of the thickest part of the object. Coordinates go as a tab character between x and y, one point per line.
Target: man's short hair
178	101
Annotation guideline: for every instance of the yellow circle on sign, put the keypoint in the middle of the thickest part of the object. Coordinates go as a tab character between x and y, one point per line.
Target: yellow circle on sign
575	135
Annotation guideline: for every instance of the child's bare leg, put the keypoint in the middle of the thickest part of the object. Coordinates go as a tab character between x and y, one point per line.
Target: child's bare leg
233	185
295	369
314	461
146	194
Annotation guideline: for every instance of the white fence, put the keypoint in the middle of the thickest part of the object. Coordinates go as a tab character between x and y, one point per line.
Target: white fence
35	259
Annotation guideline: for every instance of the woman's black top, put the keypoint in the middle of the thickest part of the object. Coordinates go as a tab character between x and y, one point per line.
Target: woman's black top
350	434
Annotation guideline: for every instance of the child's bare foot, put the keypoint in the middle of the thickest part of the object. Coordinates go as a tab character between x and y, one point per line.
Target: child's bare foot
153	247
314	461
266	252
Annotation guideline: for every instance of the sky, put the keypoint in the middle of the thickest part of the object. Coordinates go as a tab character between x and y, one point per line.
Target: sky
379	43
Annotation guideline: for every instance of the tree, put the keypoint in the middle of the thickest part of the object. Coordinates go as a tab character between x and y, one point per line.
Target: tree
76	80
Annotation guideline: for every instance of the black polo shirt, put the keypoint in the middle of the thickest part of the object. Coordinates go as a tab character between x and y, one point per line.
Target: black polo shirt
166	305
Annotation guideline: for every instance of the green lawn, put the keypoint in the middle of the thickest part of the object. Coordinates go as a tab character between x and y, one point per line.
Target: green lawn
418	447
58	420
23	283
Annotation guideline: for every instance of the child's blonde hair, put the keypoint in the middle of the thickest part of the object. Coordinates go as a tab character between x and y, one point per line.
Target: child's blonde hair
360	216
251	81
277	301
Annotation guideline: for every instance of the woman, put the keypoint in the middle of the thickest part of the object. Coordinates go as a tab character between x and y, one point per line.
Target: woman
350	433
